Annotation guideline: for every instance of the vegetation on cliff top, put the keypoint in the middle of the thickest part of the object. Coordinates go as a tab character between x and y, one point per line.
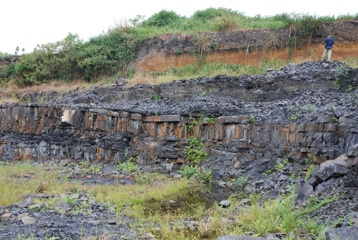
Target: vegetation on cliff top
111	54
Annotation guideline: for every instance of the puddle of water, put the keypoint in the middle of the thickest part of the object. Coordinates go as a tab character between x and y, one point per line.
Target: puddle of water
187	201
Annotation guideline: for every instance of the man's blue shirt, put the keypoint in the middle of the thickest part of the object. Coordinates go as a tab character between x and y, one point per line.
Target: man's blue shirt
329	43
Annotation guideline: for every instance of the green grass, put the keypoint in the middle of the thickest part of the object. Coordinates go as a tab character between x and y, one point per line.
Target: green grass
149	205
221	19
210	70
270	216
22	178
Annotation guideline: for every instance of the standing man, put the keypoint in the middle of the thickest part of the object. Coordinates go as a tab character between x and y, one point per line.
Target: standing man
328	46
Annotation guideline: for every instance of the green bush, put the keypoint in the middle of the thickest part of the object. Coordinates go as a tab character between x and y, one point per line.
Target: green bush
195	153
105	55
72	59
33	69
161	19
189	171
284	18
194	172
226	23
127	166
211	13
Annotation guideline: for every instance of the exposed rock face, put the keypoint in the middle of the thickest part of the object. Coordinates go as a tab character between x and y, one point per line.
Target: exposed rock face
295	112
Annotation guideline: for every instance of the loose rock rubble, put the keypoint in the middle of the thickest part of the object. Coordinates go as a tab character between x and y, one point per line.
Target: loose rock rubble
74	216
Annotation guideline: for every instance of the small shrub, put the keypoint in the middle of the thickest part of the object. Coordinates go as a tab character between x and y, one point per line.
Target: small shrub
350	88
127	166
204	176
195	153
161	19
239	182
251	118
209	120
70	199
309	171
188	171
226	23
212	13
308	160
156	96
281	165
203	44
294	117
337	83
42	99
309	108
342	70
191	128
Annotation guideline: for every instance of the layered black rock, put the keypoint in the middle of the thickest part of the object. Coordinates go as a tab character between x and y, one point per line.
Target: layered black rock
248	124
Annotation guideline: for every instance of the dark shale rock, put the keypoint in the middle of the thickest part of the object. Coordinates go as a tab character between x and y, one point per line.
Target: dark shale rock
347	233
303	191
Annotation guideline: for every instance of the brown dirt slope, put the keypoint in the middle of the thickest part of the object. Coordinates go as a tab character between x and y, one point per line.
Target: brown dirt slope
245	47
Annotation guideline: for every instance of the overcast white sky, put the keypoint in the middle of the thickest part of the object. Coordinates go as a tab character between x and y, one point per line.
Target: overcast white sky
26	23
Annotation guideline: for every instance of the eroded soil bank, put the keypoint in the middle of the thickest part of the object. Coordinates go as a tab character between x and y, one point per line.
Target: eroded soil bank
245	47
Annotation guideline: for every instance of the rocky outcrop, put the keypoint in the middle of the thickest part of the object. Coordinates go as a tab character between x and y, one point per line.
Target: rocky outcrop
295	112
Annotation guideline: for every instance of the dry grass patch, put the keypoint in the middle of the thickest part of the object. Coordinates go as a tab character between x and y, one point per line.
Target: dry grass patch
12	93
23	178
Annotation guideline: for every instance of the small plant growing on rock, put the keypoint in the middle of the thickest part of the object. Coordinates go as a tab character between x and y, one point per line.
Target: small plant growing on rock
308	160
195	172
193	123
342	70
239	182
308	108
191	128
309	171
42	99
179	52
70	199
130	166
209	120
281	165
350	88
87	167
251	118
268	172
337	83
195	153
294	117
205	176
189	171
156	96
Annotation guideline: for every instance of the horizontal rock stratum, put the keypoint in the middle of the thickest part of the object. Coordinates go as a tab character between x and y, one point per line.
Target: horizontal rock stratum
294	112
